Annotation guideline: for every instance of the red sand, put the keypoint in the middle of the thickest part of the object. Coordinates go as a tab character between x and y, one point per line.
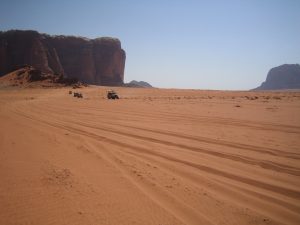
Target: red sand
153	157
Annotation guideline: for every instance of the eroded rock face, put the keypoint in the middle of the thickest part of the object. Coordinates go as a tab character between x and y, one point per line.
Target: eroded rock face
286	76
98	61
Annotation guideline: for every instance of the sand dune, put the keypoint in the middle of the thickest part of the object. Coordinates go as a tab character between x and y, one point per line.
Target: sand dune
153	157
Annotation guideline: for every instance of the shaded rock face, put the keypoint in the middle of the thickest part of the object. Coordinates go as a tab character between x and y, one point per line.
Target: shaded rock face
286	76
97	61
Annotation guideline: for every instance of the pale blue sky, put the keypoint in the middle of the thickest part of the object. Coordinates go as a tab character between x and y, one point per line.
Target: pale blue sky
212	44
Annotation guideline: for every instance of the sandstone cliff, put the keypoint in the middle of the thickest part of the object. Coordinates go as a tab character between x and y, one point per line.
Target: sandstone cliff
286	76
96	61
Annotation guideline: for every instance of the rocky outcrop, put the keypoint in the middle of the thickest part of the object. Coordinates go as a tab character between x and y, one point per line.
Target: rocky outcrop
28	76
138	84
286	76
96	61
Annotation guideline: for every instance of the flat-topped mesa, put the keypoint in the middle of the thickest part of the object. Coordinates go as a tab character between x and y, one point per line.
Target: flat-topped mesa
95	61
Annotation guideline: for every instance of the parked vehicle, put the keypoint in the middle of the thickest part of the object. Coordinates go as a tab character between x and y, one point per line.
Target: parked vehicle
111	94
78	95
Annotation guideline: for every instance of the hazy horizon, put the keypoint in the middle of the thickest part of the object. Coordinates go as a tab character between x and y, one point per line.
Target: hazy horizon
225	45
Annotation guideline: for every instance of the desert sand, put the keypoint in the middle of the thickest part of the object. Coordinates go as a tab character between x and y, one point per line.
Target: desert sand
156	156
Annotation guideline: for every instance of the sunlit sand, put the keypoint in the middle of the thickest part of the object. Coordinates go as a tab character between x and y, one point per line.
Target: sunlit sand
155	156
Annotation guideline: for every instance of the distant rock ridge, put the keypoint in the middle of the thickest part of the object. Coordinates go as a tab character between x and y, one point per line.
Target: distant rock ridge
286	76
98	61
139	84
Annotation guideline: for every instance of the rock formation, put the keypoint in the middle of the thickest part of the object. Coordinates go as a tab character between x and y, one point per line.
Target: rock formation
95	61
138	84
286	76
28	76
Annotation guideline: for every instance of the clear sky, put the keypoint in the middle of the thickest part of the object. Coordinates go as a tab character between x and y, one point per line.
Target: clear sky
212	44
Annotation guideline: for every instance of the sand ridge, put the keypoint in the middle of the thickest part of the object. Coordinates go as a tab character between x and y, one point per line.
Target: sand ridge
156	156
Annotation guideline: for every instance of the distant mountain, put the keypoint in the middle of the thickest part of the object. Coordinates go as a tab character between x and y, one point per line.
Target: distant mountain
139	84
286	76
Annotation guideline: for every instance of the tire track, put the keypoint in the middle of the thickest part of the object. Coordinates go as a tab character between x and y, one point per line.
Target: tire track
256	183
243	159
210	120
233	192
166	200
259	149
207	120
